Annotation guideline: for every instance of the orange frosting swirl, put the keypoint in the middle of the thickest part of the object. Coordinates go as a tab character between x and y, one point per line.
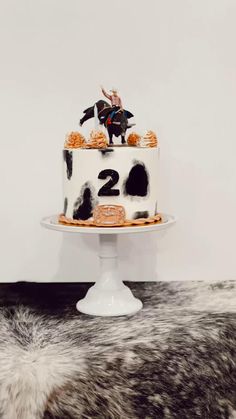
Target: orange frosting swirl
97	140
149	140
133	139
74	140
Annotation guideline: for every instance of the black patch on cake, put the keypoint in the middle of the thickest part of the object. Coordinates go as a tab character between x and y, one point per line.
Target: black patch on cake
84	205
106	151
137	182
68	157
65	206
140	214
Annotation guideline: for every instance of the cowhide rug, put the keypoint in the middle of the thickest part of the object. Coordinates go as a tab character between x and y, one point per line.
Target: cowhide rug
174	359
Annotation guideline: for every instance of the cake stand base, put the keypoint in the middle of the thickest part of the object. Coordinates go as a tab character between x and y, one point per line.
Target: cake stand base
109	303
109	296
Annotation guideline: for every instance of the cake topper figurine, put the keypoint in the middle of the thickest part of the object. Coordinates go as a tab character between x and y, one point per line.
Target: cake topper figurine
114	98
112	116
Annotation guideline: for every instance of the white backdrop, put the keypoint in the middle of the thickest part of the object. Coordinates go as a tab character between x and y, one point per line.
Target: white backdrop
174	63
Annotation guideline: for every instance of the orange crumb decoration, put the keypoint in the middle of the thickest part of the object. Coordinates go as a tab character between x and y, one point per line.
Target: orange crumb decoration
97	140
109	216
133	139
74	140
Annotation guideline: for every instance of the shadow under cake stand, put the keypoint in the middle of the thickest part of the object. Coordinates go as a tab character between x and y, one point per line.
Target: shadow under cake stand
109	296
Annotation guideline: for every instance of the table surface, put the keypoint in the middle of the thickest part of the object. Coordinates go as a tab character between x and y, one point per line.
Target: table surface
175	357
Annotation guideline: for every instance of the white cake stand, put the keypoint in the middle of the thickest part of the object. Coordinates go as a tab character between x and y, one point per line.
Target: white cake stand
109	296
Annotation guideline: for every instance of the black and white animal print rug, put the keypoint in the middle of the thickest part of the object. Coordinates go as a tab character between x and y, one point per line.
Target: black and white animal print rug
174	359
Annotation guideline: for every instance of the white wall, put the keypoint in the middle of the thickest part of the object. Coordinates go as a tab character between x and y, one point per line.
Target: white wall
174	63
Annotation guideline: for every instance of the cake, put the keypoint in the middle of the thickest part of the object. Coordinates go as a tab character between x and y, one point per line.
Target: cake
107	184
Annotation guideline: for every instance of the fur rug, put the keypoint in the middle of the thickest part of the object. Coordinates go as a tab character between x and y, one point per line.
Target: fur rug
174	359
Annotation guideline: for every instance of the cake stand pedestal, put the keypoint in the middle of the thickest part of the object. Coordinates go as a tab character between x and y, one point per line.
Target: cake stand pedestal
109	296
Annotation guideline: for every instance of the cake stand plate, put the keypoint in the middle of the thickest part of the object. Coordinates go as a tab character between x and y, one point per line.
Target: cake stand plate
109	296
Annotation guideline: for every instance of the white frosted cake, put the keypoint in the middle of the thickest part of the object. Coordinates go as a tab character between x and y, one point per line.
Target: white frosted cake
110	185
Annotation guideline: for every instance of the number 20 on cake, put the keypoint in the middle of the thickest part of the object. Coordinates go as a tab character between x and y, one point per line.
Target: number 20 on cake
107	184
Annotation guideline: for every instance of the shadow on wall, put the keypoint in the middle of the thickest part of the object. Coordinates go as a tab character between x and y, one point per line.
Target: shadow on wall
77	259
139	256
79	262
